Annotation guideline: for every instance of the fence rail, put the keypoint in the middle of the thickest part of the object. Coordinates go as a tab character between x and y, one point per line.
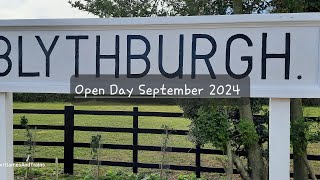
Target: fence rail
69	112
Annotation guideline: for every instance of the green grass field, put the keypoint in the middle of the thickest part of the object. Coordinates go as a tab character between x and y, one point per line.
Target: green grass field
119	138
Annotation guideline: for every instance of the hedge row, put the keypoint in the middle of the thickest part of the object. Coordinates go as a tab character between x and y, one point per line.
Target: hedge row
35	97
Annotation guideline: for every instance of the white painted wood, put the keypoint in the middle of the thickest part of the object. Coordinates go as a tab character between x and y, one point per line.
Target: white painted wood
6	136
279	139
304	31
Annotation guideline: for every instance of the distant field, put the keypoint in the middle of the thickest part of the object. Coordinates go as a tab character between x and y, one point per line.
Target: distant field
119	138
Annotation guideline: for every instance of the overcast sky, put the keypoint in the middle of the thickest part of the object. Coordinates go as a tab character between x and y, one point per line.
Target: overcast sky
36	9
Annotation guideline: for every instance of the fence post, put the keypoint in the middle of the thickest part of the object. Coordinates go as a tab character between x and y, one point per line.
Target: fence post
135	139
198	160
68	139
6	135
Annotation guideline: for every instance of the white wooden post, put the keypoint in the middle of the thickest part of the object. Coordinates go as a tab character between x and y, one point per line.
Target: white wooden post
279	139
6	135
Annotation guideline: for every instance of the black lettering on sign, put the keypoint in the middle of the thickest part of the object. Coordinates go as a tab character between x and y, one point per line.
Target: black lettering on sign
143	56
243	58
21	73
76	52
206	57
47	53
5	56
115	56
179	71
265	56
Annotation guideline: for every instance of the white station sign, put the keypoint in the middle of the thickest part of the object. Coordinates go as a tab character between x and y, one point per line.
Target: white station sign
280	52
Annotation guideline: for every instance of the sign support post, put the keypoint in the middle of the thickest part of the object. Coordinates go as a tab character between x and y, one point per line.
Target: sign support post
279	139
6	135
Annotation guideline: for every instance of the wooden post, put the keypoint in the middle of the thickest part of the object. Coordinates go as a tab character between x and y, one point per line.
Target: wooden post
279	139
68	139
198	160
135	139
6	135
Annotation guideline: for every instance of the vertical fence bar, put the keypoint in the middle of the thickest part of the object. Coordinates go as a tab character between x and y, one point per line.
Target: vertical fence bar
135	139
68	139
198	160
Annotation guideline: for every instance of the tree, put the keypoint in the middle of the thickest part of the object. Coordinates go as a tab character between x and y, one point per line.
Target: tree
295	6
221	124
119	8
299	128
255	159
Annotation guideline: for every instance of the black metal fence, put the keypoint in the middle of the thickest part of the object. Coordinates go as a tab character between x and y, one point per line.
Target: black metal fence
69	112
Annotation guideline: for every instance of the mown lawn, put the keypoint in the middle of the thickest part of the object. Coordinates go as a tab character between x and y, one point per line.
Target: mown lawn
118	138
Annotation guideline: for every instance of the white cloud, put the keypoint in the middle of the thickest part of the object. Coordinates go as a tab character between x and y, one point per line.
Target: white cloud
39	9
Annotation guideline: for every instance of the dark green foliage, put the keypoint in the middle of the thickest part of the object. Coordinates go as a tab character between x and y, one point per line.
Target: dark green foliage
248	135
312	6
29	142
217	123
303	133
262	129
37	97
196	7
294	6
257	103
95	146
211	126
191	107
299	133
24	122
119	8
256	6
314	132
147	8
311	102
